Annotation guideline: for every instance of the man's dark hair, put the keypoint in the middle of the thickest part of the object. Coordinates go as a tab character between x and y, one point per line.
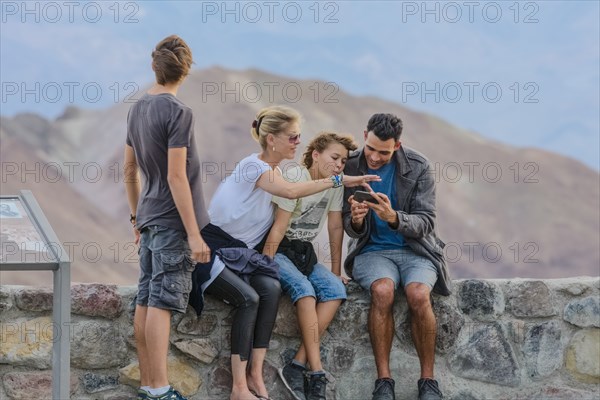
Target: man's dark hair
385	126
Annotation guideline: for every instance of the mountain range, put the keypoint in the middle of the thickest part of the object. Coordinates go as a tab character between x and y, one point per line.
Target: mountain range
503	211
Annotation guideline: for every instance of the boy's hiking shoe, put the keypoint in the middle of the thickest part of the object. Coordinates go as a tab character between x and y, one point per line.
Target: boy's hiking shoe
142	394
171	394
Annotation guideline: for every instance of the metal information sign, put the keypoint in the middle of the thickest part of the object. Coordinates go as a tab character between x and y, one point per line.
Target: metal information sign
28	243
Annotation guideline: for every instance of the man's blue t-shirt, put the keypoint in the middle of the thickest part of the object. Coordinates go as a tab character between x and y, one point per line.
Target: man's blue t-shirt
382	236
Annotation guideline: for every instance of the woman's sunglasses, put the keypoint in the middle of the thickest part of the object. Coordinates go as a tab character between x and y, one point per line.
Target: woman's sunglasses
293	139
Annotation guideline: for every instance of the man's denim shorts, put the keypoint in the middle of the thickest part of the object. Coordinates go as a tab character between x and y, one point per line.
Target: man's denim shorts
321	284
401	265
165	269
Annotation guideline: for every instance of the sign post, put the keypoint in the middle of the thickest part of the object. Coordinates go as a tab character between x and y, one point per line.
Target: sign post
28	243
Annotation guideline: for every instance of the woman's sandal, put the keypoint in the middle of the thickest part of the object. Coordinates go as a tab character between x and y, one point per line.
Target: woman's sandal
258	395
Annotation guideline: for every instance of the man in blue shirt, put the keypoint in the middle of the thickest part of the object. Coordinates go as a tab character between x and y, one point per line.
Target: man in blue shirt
393	243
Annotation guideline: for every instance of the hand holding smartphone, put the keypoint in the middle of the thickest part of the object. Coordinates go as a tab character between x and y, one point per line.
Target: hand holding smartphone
362	196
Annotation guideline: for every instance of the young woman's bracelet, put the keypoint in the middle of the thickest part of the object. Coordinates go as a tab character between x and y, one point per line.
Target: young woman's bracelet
337	180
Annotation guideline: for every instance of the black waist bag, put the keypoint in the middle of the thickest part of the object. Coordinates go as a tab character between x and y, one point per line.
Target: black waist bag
301	254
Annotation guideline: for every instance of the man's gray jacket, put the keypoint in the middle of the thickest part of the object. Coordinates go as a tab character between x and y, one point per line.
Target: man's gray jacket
415	194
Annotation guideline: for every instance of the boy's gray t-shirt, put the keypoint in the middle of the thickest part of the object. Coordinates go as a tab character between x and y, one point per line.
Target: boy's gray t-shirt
155	124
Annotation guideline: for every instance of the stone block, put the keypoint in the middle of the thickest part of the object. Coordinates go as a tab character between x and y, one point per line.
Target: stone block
480	300
542	349
6	301
182	375
484	354
219	379
584	312
583	356
90	341
32	385
530	299
449	324
202	349
34	299
350	322
574	288
128	395
286	323
94	383
551	391
343	358
27	342
203	326
96	300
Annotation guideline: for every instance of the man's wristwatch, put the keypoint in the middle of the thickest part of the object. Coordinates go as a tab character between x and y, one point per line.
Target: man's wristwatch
132	219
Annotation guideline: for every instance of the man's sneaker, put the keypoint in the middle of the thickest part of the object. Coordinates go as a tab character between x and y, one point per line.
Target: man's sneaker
384	389
292	376
171	394
142	394
316	386
429	390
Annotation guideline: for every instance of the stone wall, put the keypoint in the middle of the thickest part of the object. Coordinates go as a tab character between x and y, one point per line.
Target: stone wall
497	339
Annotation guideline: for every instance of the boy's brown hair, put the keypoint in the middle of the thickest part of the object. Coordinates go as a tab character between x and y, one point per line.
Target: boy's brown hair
171	60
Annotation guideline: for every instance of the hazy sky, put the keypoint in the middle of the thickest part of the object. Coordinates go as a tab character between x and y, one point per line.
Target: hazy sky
525	73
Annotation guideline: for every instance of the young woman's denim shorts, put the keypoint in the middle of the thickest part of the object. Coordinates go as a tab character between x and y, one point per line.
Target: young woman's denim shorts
321	284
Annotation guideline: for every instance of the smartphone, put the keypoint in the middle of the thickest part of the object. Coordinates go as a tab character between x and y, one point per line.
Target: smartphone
362	196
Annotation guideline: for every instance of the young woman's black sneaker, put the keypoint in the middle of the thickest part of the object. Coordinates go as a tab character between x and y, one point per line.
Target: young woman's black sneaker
293	377
316	386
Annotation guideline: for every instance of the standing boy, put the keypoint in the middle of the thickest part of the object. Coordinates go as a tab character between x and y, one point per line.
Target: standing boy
167	212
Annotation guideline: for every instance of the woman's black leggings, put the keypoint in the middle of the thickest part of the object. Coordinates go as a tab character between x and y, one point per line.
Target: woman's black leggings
255	307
